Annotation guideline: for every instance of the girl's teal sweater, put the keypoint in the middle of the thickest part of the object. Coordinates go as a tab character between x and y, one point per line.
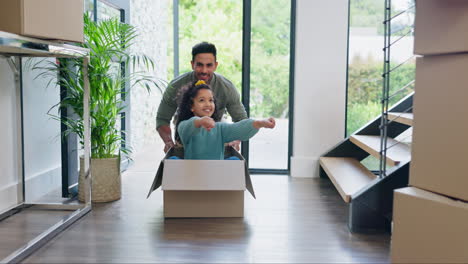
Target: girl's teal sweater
209	145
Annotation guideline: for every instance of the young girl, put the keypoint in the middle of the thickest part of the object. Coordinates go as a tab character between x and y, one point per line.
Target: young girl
200	132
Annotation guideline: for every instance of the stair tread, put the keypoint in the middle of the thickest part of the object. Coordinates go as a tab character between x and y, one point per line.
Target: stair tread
347	174
404	118
396	151
406	137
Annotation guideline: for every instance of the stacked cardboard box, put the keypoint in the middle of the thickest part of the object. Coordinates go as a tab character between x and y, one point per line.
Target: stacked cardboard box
46	19
430	218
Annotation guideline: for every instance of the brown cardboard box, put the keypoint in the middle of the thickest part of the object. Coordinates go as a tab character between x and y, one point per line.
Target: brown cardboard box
428	228
440	27
203	188
440	126
46	19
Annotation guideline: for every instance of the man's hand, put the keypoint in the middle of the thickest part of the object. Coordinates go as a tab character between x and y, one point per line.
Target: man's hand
166	136
168	145
235	144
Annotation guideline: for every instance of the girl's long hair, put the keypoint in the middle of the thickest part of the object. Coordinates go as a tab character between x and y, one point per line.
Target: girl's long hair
184	110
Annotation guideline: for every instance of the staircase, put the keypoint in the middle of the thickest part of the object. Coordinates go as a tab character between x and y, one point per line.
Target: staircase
370	196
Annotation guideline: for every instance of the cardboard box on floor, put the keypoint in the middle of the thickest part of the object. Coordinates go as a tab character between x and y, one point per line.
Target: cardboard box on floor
203	188
440	125
428	228
440	27
46	19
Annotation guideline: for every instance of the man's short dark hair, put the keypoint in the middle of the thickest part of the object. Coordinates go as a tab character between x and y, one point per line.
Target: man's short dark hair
203	47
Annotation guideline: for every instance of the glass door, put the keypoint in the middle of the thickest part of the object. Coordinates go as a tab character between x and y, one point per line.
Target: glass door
266	57
269	82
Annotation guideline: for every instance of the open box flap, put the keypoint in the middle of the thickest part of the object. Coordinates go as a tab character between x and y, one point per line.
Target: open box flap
157	180
159	174
248	182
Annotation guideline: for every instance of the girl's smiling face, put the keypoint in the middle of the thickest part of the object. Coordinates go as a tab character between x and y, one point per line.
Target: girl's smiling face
203	103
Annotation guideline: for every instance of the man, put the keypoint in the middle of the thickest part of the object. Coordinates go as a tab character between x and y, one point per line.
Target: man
204	65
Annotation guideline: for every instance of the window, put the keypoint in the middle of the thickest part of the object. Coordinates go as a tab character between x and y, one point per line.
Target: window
269	82
365	58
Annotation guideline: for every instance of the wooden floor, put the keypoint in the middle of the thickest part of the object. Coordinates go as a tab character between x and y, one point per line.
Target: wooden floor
292	220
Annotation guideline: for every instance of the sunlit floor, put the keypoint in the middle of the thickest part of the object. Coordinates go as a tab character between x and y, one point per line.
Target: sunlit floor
292	220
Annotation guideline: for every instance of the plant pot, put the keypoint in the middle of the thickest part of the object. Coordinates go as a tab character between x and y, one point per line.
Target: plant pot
106	184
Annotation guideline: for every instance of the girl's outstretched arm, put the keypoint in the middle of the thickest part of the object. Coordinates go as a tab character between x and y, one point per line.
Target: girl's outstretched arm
244	129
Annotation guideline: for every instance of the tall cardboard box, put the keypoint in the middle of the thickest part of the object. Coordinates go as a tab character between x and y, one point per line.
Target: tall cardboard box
46	19
440	27
203	188
440	126
428	228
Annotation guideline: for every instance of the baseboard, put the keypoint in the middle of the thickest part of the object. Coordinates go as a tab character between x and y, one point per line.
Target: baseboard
304	167
9	197
43	183
37	186
125	163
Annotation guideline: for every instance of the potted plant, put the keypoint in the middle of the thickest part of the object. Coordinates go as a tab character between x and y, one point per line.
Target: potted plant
109	42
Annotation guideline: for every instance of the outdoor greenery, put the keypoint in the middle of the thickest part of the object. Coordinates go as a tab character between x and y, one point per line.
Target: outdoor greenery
366	13
365	89
270	58
371	13
109	42
222	25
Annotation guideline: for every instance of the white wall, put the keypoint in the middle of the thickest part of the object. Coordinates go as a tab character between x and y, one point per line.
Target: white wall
8	138
151	20
42	148
320	82
42	161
